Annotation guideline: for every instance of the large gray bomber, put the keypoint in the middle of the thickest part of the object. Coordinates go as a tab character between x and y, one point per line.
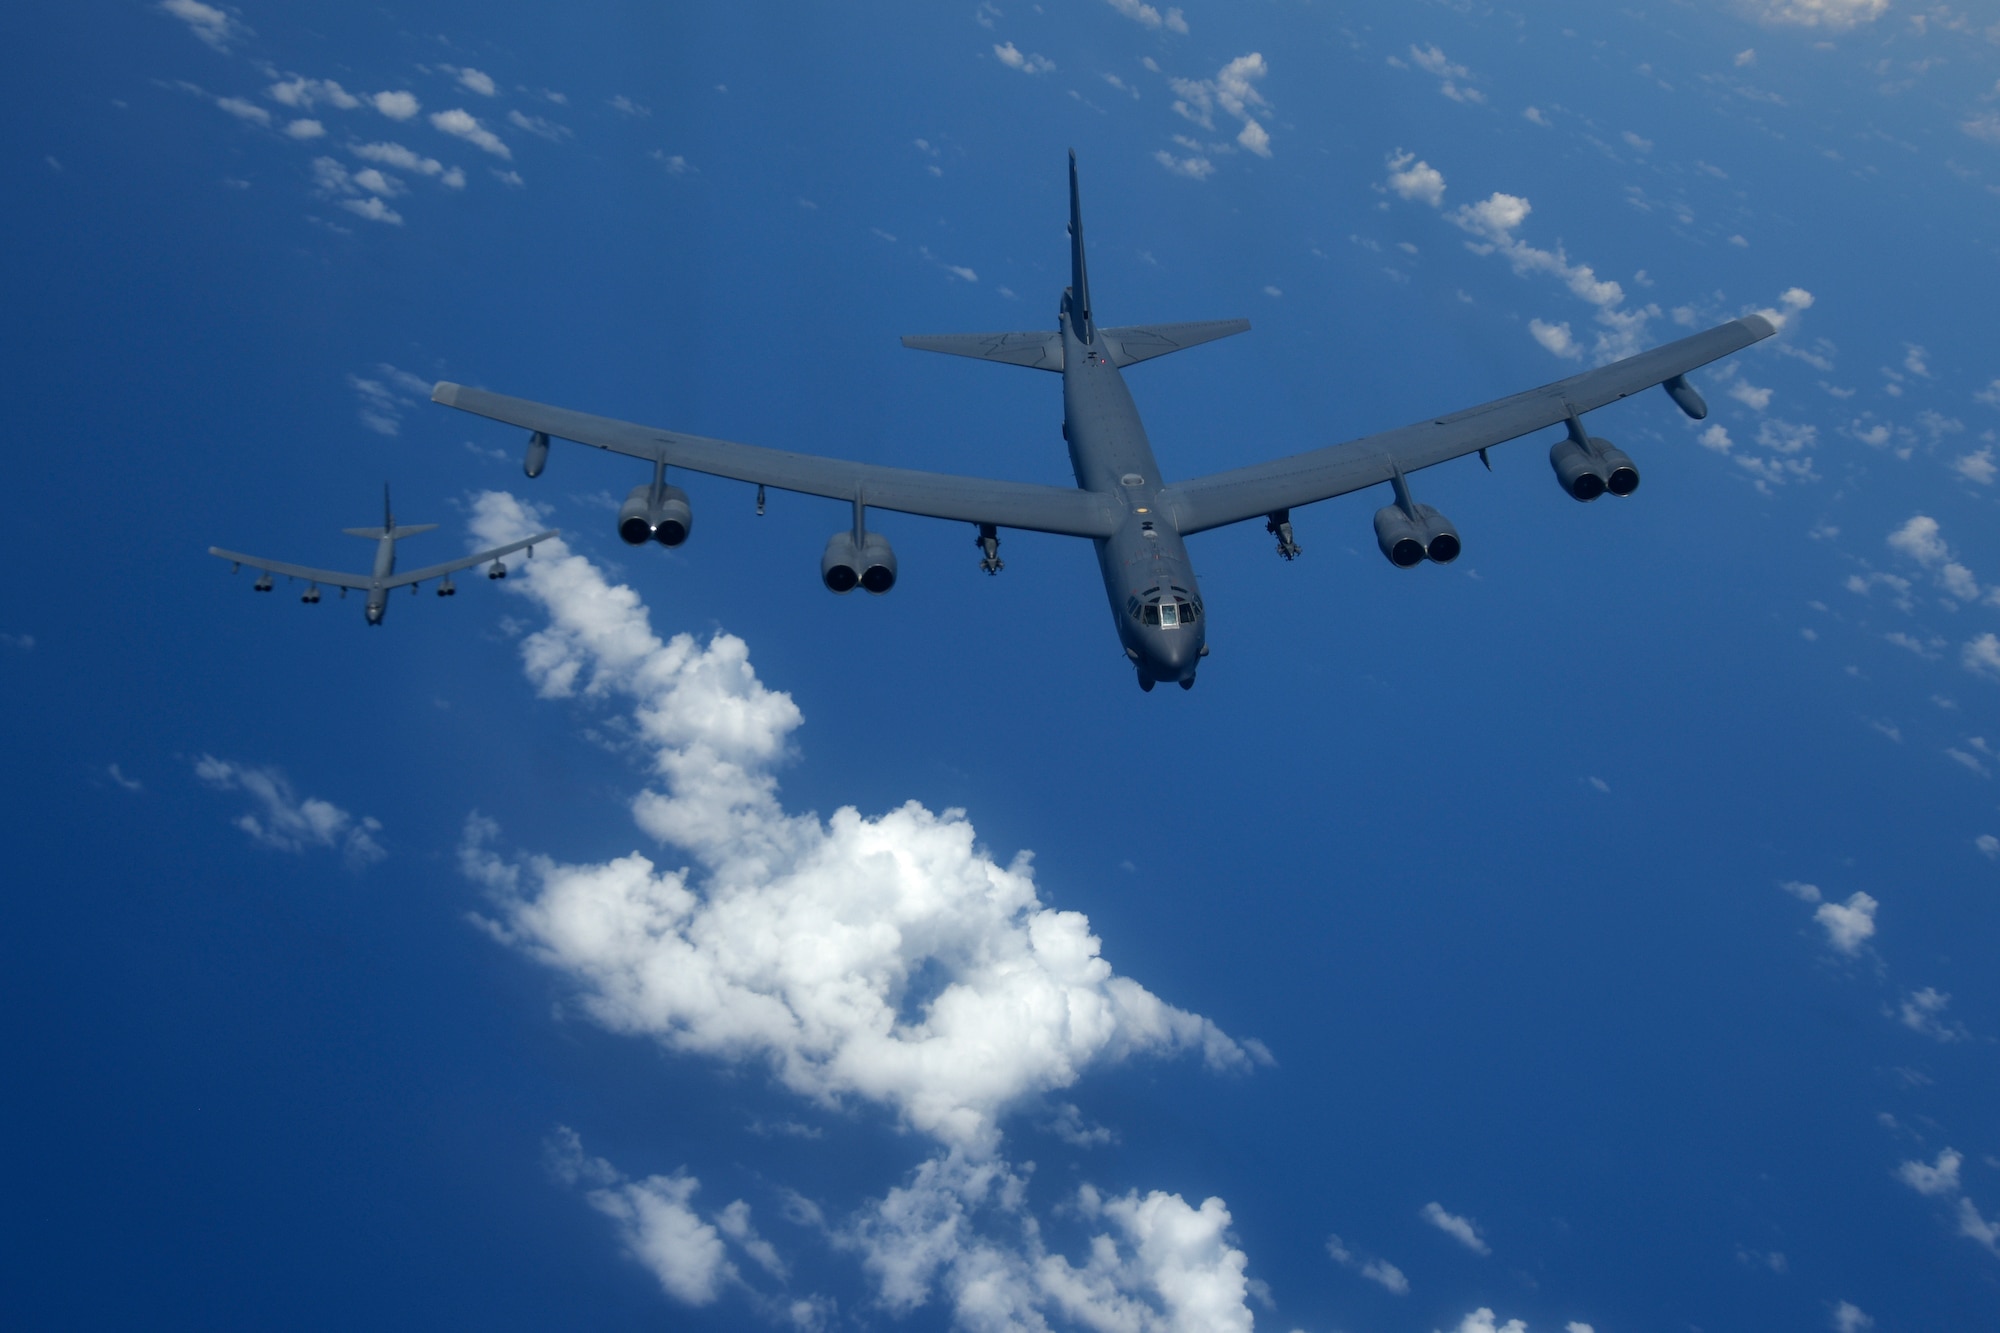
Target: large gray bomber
1134	517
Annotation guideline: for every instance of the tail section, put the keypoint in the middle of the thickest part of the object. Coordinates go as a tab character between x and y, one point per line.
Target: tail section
1077	303
389	528
1044	351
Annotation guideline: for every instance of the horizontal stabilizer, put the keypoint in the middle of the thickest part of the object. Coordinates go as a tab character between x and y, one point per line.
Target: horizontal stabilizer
377	534
1037	351
1143	342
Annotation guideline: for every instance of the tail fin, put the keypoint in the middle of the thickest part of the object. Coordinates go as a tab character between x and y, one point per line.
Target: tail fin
389	528
1079	279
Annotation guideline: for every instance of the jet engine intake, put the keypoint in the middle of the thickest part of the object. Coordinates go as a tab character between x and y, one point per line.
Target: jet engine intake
840	565
666	519
1580	471
878	563
1408	542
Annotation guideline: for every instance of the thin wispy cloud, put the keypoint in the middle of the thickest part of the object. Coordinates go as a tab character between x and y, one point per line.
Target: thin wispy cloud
288	822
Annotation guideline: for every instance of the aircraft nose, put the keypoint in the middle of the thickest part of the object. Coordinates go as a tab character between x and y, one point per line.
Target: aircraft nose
1175	653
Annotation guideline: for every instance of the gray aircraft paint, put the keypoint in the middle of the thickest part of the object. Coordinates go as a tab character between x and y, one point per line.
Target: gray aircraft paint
1121	503
383	579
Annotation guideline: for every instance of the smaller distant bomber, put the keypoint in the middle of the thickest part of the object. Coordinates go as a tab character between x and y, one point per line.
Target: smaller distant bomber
385	579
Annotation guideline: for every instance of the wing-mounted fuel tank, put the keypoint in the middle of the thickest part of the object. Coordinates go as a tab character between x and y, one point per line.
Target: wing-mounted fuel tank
538	454
1586	466
858	558
1410	533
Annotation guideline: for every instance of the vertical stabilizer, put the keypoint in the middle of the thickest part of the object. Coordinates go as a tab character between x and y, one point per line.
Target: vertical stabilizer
1079	279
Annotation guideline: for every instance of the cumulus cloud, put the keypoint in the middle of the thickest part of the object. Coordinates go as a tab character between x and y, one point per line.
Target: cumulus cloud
800	942
305	128
1848	1318
1850	924
243	110
1988	845
1195	167
1975	1227
464	125
1234	91
1834	14
1939	1178
1918	539
1977	467
884	959
1379	1271
1556	338
1483	1320
1493	221
474	80
216	27
405	159
1451	76
1413	179
284	820
396	106
1923	1011
1981	656
1014	58
303	94
1173	20
1461	1229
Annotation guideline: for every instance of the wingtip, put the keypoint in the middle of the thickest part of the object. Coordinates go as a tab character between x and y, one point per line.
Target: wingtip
444	391
1759	325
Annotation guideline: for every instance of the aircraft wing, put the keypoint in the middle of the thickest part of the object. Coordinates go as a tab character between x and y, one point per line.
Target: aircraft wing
1011	504
430	572
1319	474
331	577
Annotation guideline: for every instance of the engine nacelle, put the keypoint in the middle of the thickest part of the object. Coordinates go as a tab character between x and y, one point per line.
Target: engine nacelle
878	563
635	527
1621	473
1400	538
1580	471
1408	542
840	565
538	454
673	517
669	522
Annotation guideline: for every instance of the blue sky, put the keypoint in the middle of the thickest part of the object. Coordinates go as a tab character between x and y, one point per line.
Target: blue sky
1594	933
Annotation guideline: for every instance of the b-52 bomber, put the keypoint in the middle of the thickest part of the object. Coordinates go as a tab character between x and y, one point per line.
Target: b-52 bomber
385	579
1136	518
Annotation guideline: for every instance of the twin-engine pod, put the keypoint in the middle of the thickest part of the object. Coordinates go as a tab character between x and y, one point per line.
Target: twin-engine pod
870	565
1410	537
1589	467
655	513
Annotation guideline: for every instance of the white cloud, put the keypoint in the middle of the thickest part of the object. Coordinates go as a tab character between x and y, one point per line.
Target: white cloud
405	159
1634	141
1847	1316
1495	219
1482	1320
1977	466
305	129
1413	179
627	106
1923	1011
1379	1271
1981	656
1172	21
303	94
213	26
1749	395
285	821
396	106
1819	13
374	210
1989	845
1234	89
1806	893
1014	58
794	946
1461	1229
1556	337
1849	924
477	81
656	1224
1918	539
1716	437
1974	1227
243	110
1194	168
538	125
466	126
1448	73
1938	1179
385	395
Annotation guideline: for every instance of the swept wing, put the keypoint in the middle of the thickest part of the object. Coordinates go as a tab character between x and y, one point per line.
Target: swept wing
338	579
1320	474
1012	504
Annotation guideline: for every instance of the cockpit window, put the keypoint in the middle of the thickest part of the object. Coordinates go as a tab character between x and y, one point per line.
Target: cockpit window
1152	613
1169	614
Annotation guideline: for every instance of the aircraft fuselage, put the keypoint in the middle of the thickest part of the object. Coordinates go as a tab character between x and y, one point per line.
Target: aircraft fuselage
1148	578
